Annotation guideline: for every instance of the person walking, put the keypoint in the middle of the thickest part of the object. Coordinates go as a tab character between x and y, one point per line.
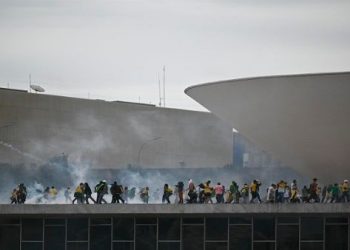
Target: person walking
207	192
116	191
219	193
67	195
101	189
271	194
245	193
254	191
144	195
345	191
335	193
79	194
88	193
167	192
314	191
180	190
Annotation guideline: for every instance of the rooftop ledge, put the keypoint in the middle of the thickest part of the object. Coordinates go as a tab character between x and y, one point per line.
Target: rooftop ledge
189	209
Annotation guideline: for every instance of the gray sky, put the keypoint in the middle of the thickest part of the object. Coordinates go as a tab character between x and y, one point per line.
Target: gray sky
115	49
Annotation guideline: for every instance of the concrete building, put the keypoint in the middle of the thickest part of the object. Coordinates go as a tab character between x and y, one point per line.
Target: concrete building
109	135
247	155
302	120
175	227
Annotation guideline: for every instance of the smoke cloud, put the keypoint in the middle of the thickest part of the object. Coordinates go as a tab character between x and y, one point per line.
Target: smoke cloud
60	173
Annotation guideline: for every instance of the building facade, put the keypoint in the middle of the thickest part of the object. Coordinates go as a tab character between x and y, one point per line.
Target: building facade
301	120
170	227
109	135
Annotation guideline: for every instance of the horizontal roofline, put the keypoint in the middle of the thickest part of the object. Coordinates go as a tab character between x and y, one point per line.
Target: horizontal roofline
175	209
265	77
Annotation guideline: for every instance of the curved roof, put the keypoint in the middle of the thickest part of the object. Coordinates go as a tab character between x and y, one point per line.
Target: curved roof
303	120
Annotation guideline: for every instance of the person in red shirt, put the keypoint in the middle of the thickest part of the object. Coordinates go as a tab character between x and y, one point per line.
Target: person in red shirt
219	193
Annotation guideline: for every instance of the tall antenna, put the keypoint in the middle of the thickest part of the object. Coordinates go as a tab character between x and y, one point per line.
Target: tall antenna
164	85
160	93
30	82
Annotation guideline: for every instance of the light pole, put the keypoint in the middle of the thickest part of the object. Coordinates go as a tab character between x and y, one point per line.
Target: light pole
143	145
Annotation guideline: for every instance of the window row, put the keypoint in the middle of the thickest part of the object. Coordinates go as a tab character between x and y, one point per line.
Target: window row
175	233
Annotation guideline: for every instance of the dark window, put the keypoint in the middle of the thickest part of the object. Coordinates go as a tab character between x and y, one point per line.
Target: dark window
32	246
192	237
216	229
216	246
9	237
77	229
123	229
340	220
311	246
100	237
55	237
77	246
311	228
123	245
55	222
100	221
264	246
264	228
288	220
169	228
146	220
240	220
9	220
241	237
288	237
169	246
146	237
32	229
196	220
337	237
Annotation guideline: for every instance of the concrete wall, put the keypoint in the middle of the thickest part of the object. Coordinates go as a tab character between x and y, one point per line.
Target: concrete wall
109	134
302	120
193	209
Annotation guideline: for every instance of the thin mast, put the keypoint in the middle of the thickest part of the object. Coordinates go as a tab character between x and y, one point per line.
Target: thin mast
164	85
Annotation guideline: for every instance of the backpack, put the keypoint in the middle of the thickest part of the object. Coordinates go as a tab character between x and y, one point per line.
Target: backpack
313	187
99	187
119	189
180	186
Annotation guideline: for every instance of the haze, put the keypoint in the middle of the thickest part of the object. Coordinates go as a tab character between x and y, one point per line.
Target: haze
114	50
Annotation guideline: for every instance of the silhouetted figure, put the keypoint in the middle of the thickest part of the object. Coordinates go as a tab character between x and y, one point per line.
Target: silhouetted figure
101	189
21	194
144	195
116	191
313	191
67	195
167	192
88	193
254	191
79	194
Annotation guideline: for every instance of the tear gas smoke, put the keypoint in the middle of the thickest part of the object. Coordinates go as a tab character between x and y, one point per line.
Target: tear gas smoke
60	173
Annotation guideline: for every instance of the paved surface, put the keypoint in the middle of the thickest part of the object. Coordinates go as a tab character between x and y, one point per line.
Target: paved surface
156	209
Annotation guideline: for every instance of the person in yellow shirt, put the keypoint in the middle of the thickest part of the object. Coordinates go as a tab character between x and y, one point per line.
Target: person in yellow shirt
53	192
345	191
254	191
245	193
281	188
167	192
208	190
79	194
144	195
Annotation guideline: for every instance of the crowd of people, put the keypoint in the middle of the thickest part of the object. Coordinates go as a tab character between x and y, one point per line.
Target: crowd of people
19	194
280	192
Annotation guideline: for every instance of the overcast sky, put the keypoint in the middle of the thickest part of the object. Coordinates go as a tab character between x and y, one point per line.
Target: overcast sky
114	50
